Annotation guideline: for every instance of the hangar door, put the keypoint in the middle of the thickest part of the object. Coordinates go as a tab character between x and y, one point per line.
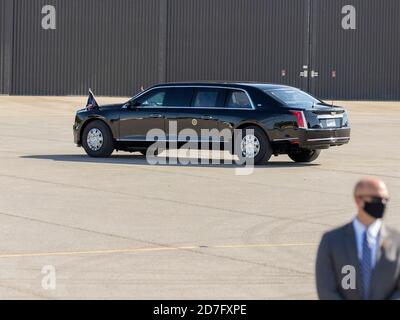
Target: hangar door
355	50
249	40
303	43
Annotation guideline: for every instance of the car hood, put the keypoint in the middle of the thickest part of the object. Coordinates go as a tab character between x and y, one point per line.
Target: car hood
111	106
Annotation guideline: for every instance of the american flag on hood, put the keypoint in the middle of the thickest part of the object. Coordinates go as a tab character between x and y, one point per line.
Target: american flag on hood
92	103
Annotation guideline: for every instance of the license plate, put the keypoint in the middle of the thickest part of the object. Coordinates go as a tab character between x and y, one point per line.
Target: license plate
331	123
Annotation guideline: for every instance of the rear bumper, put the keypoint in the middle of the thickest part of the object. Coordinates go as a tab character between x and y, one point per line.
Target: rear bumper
317	138
322	139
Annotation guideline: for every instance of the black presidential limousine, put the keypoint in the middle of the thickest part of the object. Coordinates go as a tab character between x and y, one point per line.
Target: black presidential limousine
281	119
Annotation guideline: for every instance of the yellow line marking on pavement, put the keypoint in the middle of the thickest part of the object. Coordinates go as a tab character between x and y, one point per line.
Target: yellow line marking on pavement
154	249
266	245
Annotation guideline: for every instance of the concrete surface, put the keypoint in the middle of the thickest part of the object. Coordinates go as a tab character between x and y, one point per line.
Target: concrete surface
120	228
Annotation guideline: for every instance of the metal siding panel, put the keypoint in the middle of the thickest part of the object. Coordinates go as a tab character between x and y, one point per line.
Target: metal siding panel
236	40
366	59
111	46
2	46
6	30
116	47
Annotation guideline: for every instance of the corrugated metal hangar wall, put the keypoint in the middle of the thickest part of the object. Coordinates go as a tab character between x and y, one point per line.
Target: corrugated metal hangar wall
117	46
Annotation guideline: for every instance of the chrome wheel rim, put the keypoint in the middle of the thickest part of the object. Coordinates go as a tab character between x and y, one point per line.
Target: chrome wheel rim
95	139
250	146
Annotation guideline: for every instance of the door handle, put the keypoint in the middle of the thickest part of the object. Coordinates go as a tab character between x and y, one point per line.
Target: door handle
206	117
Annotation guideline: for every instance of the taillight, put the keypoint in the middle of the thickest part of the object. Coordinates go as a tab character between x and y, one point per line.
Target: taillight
301	120
345	122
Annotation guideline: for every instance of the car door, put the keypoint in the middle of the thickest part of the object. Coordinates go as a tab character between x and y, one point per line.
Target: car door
236	110
177	110
142	115
207	105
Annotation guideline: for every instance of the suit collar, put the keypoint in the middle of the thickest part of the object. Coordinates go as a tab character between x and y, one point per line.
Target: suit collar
382	261
373	230
385	235
384	238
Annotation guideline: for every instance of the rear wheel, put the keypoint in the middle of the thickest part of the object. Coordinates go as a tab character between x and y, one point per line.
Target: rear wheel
304	155
254	146
97	140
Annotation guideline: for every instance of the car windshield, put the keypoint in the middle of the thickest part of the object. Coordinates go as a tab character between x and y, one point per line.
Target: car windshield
292	97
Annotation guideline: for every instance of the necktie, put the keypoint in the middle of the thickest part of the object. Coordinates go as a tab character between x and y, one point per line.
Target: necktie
366	266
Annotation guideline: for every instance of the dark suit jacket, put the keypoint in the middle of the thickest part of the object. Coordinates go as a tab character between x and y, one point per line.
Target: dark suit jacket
338	248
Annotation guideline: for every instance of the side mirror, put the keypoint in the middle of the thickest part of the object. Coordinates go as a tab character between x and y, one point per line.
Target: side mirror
131	104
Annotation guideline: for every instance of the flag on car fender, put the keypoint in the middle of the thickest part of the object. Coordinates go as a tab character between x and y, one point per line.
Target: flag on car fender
92	103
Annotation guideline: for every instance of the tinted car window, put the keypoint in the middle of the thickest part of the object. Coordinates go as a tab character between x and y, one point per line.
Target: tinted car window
237	99
153	98
178	97
166	97
291	97
209	98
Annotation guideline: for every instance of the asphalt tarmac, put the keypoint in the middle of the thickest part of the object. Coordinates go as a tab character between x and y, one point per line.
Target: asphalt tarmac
72	227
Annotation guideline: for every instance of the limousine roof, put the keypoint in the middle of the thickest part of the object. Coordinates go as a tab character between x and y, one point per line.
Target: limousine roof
243	85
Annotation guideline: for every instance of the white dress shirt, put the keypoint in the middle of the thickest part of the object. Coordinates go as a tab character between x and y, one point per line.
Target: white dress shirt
373	236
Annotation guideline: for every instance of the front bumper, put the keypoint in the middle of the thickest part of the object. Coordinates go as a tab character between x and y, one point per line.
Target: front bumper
316	138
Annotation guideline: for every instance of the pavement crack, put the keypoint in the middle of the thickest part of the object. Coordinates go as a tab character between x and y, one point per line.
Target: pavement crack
76	228
180	202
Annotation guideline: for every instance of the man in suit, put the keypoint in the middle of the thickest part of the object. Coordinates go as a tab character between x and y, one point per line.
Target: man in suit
361	260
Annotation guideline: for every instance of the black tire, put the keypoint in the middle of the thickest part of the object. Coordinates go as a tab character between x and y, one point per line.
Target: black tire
107	146
144	152
265	151
304	155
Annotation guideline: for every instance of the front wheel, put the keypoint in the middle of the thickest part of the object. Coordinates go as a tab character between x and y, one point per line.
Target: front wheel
304	155
97	140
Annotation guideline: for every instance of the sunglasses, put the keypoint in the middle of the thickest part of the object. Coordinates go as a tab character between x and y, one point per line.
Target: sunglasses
375	199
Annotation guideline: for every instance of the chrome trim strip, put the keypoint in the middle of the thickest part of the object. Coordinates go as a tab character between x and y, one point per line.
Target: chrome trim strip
130	140
329	139
196	108
286	139
172	140
329	129
195	86
327	116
